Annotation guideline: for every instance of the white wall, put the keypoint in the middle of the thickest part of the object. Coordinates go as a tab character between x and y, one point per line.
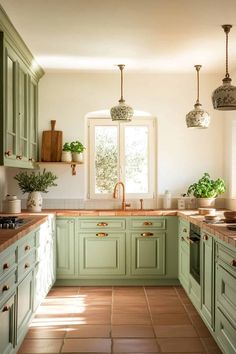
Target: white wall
3	184
183	154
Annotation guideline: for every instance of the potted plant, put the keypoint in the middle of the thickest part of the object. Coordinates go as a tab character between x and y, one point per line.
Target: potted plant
66	155
206	190
77	149
35	183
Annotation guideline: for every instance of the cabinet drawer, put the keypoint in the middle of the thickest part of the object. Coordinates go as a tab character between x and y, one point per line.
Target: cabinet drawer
7	260
226	293
26	265
228	257
102	223
7	285
225	333
26	245
149	223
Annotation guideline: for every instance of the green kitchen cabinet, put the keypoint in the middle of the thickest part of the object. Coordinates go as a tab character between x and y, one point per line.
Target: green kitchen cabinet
7	325
147	252
65	248
207	277
184	253
18	97
102	253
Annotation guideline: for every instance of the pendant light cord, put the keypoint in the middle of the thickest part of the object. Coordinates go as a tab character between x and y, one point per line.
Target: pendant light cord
226	30
198	67
121	67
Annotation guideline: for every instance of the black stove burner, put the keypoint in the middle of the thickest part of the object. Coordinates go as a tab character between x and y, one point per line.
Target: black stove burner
11	222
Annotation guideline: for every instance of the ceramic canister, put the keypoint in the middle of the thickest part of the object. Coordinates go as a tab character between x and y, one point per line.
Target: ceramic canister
11	204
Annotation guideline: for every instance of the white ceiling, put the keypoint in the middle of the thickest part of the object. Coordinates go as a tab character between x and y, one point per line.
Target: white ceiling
146	35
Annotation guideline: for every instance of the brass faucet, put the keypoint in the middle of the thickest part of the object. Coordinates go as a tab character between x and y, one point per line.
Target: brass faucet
124	204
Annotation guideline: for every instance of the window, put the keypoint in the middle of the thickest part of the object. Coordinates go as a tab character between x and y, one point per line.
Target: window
122	152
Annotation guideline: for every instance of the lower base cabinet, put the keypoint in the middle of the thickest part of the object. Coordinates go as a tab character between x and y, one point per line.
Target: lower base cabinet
7	329
225	333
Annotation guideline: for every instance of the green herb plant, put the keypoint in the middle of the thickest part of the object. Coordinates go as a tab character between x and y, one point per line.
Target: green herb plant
66	147
35	181
207	187
77	146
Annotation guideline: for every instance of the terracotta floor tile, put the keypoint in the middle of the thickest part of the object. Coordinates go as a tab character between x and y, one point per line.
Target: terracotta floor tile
131	319
57	332
167	309
94	289
171	319
181	345
130	309
87	346
132	331
32	346
175	331
135	346
88	331
200	326
190	309
211	346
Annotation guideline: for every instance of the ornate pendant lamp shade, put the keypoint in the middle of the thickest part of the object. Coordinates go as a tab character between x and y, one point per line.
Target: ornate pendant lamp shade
122	112
198	117
224	97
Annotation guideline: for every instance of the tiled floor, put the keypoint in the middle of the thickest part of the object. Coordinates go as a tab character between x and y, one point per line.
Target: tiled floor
117	320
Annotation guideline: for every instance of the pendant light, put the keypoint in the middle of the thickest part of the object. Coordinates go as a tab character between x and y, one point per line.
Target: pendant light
224	97
198	117
122	112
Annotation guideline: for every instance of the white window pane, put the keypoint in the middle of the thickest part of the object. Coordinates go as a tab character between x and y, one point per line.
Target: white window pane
136	159
106	159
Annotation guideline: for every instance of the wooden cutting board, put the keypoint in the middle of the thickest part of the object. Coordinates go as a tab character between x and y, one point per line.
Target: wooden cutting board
51	144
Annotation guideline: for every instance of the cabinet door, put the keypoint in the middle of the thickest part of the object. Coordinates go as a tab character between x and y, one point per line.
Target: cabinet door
184	263
225	333
102	253
7	321
147	253
65	248
207	277
11	103
33	120
24	305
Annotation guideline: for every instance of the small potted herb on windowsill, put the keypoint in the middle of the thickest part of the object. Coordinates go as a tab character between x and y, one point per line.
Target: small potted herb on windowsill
77	149
206	190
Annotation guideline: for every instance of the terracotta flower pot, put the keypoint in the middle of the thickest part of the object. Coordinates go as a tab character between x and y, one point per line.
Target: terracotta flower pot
206	202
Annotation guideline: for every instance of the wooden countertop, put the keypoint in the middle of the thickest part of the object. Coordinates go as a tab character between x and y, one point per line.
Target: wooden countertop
220	231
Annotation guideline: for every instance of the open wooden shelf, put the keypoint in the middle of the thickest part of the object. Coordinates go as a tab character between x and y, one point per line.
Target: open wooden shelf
72	164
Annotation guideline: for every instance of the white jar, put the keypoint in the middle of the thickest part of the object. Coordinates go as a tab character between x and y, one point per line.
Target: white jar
66	156
167	200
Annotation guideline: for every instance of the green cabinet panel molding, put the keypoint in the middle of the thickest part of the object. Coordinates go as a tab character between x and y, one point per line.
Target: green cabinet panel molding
19	99
7	330
184	264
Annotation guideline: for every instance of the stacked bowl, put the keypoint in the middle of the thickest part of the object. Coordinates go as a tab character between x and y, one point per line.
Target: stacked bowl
230	217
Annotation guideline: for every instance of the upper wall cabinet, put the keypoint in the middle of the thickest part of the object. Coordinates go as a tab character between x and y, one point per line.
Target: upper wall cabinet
19	99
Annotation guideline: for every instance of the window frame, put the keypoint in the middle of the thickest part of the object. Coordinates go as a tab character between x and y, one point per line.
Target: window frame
150	122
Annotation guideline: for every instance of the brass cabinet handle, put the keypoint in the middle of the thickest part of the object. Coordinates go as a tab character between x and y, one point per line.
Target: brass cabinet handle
101	234
102	224
205	237
5	288
146	223
27	265
8	153
189	239
147	234
31	159
6	266
18	157
182	238
27	248
5	308
233	263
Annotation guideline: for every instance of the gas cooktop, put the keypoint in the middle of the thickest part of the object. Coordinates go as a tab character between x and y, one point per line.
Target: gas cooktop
11	222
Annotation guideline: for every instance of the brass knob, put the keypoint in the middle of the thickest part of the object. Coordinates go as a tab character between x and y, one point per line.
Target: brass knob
185	230
27	265
233	263
146	223
27	248
30	159
182	238
102	224
8	153
5	288
101	234
205	237
18	157
190	241
6	266
147	234
5	308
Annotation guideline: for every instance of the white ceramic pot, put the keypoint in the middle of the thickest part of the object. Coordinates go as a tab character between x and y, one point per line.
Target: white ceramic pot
77	157
34	202
66	156
206	202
